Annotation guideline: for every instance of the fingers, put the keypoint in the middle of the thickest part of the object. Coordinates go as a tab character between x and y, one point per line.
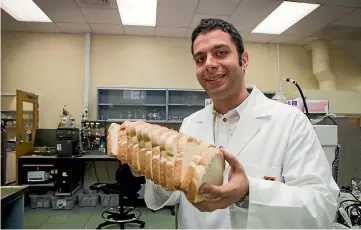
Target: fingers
217	191
212	205
213	190
232	160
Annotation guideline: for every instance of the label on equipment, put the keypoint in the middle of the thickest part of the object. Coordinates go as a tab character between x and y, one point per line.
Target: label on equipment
58	147
61	203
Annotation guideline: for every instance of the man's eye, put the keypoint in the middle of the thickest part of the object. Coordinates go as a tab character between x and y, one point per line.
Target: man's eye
200	59
221	52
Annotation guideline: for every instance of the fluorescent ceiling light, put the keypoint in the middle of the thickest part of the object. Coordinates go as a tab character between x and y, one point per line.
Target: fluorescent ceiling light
138	12
284	16
24	10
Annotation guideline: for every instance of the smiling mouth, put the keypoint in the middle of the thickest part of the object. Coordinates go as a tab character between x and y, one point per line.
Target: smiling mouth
215	79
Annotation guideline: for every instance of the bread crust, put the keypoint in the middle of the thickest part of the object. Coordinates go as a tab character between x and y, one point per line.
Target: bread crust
142	160
148	165
178	171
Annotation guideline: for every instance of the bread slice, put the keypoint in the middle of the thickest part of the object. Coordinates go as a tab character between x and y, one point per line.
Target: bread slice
190	149
156	162
148	165
178	170
130	153
135	158
112	139
163	168
142	160
171	148
122	145
209	171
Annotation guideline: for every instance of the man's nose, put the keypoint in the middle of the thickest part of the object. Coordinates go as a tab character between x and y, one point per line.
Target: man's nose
211	63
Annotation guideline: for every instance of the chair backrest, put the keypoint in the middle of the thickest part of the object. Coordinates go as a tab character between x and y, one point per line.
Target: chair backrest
124	175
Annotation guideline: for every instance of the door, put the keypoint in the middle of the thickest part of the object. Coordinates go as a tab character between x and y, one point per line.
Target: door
27	121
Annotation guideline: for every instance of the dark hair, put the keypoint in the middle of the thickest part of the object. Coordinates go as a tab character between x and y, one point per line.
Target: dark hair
209	24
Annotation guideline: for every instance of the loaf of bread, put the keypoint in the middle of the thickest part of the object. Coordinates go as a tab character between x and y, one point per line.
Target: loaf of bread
168	158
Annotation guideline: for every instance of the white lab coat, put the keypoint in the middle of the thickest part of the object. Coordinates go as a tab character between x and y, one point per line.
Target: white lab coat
271	139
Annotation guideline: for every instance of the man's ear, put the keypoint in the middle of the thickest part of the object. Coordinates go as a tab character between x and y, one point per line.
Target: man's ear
245	60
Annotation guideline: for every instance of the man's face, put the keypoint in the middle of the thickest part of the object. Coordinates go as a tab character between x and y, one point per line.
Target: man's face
217	64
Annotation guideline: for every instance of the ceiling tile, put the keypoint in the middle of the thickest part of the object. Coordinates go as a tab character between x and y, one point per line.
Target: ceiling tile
259	38
295	40
251	12
189	32
339	43
108	4
101	16
331	32
354	51
311	1
317	20
61	11
74	27
217	7
9	23
43	27
170	32
175	13
352	19
198	17
107	29
351	3
139	30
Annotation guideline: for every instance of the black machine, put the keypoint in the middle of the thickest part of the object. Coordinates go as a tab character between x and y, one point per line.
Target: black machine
93	135
66	180
67	142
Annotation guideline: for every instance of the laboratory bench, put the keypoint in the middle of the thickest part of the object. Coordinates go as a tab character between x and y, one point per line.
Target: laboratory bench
63	175
12	206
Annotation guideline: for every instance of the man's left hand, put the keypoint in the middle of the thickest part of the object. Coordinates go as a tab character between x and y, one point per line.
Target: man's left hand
228	194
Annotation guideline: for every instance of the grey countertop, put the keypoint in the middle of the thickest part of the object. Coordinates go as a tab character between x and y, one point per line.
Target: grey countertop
11	193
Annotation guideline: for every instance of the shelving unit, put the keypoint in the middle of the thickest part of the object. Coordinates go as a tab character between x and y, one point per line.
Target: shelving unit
160	106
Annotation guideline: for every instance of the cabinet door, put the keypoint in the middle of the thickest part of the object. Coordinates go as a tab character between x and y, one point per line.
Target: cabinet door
27	121
10	167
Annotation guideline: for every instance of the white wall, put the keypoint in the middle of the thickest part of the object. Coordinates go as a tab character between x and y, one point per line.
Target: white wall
52	65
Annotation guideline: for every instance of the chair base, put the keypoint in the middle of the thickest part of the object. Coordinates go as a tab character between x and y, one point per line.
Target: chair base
122	225
121	216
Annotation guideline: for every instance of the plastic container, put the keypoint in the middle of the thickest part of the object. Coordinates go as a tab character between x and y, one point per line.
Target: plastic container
109	200
64	202
41	201
88	198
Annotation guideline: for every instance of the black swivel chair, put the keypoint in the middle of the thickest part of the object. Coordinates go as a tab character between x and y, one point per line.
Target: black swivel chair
127	186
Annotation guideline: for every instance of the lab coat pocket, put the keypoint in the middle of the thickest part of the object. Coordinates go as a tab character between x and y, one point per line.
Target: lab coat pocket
263	172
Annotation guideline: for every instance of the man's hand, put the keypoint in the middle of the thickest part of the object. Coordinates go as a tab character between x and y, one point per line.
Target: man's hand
228	194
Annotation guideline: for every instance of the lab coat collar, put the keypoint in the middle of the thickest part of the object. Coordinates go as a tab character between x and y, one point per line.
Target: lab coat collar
253	115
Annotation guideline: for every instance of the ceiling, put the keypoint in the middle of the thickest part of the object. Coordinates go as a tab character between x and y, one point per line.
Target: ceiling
337	21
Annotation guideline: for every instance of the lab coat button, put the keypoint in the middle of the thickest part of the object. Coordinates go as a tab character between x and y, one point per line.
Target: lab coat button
225	119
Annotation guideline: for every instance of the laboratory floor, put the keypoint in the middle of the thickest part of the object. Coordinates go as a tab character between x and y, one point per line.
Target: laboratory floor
90	218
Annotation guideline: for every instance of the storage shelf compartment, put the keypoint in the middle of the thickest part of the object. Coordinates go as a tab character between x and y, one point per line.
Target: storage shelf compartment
159	106
131	96
187	98
132	112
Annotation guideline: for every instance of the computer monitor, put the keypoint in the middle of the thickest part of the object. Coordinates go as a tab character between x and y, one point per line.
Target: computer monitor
45	138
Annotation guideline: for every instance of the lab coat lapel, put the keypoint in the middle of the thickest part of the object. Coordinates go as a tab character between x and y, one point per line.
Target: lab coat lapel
204	126
251	120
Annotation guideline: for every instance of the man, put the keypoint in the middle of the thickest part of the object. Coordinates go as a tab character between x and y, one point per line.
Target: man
277	175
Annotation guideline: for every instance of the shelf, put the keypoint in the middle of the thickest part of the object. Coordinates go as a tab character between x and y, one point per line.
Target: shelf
149	121
189	105
132	104
41	185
